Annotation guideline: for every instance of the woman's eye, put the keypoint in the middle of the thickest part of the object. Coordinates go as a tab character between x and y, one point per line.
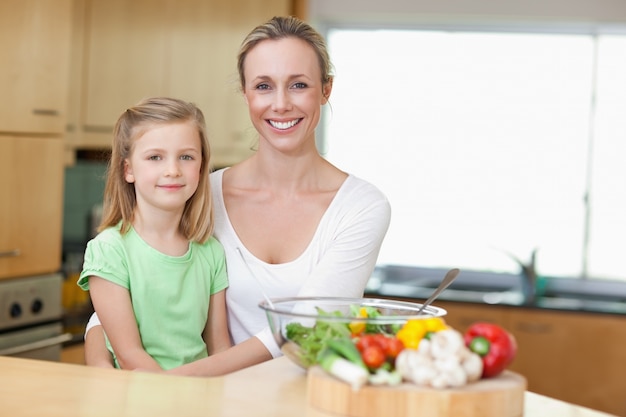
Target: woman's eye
300	85
263	86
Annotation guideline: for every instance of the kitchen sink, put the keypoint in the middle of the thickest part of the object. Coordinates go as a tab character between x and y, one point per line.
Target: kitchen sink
470	286
499	288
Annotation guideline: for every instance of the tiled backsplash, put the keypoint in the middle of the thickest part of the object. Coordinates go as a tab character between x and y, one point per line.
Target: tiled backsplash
84	186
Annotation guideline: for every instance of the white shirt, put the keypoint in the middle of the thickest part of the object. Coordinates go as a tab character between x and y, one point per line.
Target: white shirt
338	261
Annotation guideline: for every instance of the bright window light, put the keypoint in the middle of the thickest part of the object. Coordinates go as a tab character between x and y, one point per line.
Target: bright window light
483	143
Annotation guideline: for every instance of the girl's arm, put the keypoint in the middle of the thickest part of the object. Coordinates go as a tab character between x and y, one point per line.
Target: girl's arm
216	335
113	305
96	352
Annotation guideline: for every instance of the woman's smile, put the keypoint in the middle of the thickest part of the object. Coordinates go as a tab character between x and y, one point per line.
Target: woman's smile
284	125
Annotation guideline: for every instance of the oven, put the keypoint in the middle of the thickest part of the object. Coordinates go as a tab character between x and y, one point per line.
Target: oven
31	315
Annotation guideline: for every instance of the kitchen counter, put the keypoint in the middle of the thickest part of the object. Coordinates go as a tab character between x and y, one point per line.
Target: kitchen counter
273	389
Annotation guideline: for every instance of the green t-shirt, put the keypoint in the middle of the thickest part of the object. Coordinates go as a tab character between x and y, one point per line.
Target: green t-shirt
170	295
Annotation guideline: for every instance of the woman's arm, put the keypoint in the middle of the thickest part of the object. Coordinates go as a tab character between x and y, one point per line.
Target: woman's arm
215	333
242	355
113	305
357	233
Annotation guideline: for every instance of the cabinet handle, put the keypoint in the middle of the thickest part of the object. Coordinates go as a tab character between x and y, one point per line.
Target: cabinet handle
533	327
10	253
45	112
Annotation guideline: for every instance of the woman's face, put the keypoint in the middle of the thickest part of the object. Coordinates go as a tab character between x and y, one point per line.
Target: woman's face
284	93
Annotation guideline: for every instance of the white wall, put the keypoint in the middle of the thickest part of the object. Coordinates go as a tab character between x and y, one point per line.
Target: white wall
576	12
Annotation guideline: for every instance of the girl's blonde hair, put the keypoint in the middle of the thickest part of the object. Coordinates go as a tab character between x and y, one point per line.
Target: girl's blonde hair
280	27
196	223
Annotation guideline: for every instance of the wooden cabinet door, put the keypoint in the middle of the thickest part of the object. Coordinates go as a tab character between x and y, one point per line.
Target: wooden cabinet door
461	315
574	357
35	45
542	357
31	209
126	58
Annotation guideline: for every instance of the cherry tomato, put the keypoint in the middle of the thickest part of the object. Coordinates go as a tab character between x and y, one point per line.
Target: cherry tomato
365	341
373	356
394	347
381	340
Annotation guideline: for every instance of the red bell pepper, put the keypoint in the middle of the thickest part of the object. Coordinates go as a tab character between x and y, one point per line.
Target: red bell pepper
495	345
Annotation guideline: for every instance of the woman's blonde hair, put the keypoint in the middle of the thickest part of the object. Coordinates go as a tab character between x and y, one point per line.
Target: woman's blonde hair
286	27
196	223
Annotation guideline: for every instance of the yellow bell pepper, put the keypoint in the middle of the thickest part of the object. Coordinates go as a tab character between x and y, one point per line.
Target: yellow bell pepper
413	331
357	327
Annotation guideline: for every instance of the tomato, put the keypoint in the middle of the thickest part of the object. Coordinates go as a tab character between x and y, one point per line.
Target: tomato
373	356
389	345
394	347
365	341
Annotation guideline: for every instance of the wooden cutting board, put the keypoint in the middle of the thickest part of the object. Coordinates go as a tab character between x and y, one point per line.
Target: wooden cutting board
502	396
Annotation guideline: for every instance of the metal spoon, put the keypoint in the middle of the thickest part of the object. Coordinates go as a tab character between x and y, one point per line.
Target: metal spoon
258	281
447	280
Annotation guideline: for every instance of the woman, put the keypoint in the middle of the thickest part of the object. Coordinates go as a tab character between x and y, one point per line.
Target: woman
303	226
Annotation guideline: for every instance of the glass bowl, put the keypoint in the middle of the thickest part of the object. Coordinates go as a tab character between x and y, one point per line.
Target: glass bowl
290	317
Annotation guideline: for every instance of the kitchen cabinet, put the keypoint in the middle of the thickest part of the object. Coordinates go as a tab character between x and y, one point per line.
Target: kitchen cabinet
575	357
461	315
131	49
572	356
35	44
34	40
31	174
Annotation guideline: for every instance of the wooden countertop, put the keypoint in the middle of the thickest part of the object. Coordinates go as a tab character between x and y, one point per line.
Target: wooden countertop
273	389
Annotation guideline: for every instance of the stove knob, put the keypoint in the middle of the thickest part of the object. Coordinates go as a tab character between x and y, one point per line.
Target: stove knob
36	306
15	310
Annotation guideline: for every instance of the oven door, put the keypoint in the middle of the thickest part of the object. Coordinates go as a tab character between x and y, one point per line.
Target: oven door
42	342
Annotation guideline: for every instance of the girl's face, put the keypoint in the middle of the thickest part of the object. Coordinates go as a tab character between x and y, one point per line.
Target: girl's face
284	93
164	165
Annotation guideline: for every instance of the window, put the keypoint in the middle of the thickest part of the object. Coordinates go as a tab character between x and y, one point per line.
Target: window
489	145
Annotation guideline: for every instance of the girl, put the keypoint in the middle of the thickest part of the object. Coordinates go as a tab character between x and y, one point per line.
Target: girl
156	275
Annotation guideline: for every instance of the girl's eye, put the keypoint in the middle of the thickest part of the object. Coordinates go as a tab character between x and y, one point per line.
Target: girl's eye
154	158
186	157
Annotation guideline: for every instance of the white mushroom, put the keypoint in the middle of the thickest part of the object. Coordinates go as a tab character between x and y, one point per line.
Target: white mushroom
450	372
472	364
446	343
441	362
415	367
457	377
424	375
440	381
424	347
448	363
